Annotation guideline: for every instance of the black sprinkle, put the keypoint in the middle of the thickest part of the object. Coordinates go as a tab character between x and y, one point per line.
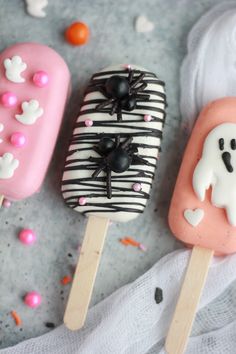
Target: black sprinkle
7	326
8	245
62	292
70	255
158	295
49	325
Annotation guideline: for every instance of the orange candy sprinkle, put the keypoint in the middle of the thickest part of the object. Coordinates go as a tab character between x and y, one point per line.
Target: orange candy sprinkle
66	280
16	318
77	33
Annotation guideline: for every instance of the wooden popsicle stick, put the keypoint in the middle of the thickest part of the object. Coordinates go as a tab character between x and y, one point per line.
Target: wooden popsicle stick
85	273
190	294
1	200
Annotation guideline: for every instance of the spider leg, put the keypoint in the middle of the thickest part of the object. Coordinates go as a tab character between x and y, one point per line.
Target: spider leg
104	104
98	170
140	88
137	80
127	142
137	160
113	108
109	188
132	149
119	114
102	90
117	140
96	149
130	77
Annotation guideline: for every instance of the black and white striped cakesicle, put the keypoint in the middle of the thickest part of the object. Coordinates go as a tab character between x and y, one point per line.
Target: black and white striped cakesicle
112	157
111	162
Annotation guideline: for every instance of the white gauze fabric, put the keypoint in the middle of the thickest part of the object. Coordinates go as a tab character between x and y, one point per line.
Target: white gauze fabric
131	322
208	71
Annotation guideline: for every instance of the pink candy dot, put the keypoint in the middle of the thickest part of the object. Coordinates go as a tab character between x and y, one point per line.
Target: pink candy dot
88	122
137	187
82	201
27	236
18	139
32	299
6	203
40	78
8	99
127	66
147	118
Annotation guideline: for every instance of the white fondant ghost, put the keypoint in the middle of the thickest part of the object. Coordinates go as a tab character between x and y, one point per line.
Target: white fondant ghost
35	7
217	169
31	112
7	165
14	67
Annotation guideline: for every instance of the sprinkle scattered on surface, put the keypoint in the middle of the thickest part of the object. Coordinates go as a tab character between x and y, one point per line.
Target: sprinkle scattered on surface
129	241
50	325
158	295
16	318
66	280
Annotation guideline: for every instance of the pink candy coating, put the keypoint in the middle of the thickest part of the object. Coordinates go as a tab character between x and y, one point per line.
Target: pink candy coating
8	99
40	78
27	236
147	118
32	299
18	139
88	122
82	201
6	203
137	187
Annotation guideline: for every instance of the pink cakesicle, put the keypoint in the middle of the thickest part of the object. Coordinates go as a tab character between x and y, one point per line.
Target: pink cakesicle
35	82
203	208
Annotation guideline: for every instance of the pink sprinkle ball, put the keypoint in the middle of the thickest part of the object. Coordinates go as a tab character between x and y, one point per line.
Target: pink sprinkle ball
6	203
32	299
41	78
27	236
88	122
18	139
127	66
8	99
137	187
82	201
147	118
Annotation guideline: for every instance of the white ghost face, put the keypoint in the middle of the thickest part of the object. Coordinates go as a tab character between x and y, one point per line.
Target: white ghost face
217	169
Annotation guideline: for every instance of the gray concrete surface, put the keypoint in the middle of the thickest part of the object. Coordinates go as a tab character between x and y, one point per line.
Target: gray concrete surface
59	229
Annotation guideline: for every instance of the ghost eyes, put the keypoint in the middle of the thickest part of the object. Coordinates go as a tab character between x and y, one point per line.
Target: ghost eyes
221	143
233	144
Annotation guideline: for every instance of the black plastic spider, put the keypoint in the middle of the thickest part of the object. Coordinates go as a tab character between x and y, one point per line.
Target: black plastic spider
123	93
116	157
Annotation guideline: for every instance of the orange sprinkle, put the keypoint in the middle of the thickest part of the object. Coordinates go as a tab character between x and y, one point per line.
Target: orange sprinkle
66	280
129	241
132	242
16	318
124	242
